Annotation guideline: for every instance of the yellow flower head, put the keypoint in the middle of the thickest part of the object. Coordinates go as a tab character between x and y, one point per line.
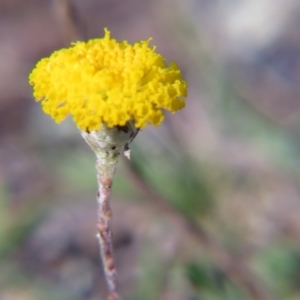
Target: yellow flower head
105	81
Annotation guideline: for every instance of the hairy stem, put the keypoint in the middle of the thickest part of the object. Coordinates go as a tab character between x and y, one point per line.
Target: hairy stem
108	144
105	173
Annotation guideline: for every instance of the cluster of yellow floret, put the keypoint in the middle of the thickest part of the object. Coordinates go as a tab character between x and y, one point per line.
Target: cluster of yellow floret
105	81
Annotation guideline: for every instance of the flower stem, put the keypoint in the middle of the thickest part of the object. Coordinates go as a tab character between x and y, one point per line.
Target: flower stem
105	173
108	144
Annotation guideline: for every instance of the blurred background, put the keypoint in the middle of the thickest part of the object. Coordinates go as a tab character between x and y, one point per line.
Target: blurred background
208	208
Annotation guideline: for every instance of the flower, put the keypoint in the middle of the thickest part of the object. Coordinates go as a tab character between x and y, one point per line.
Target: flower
105	81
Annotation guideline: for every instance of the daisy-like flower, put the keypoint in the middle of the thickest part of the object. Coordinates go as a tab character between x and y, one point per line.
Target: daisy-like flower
105	81
111	89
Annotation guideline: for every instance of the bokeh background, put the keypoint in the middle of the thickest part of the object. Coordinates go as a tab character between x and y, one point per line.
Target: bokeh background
208	208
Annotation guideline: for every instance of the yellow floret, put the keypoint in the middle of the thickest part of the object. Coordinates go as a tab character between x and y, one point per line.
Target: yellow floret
105	81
